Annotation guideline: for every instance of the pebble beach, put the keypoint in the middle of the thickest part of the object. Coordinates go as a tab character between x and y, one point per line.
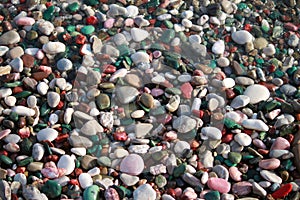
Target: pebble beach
149	100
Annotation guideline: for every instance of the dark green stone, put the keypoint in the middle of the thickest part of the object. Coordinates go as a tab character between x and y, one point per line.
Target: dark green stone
25	161
23	94
52	189
49	13
6	160
14	116
168	35
212	195
25	146
32	35
179	170
14	84
73	7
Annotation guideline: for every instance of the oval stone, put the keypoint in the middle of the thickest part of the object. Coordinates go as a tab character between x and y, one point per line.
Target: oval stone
132	164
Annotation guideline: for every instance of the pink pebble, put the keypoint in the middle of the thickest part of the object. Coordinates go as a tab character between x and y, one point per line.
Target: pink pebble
129	22
147	90
189	193
270	164
40	54
235	174
259	144
50	172
178	192
242	188
290	26
46	69
157	92
218	184
280	144
4	133
25	21
109	23
157	54
186	90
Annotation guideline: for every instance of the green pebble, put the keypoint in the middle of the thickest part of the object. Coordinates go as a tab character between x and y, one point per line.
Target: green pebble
235	157
25	146
179	170
25	161
91	2
44	109
248	157
104	161
14	84
73	7
231	124
48	13
229	163
23	94
127	192
242	6
52	189
212	195
160	181
71	28
168	24
32	35
6	160
14	116
124	50
174	91
91	193
87	29
168	35
159	155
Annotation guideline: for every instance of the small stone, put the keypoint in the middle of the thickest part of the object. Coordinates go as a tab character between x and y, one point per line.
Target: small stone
35	166
243	139
85	180
242	188
10	100
54	47
10	37
46	27
283	191
235	174
132	164
235	157
22	110
184	124
80	141
38	151
218	47
91	192
270	176
147	100
91	127
257	93
280	144
257	189
269	164
3	50
53	99
17	64
138	34
64	64
128	179
288	89
293	40
139	57
126	94
66	162
211	133
111	193
49	134
221	171
242	37
144	191
260	43
52	189
223	62
240	101
212	195
42	88
219	185
255	124
31	192
269	50
173	104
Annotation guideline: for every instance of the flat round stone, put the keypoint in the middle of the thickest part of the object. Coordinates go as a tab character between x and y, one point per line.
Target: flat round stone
47	134
66	162
255	124
184	124
144	191
257	93
243	139
219	184
54	47
132	164
242	37
10	37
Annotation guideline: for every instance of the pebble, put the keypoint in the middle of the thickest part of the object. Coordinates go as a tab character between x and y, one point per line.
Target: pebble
219	185
269	164
54	47
257	93
240	101
10	37
140	57
184	124
218	47
66	162
85	180
128	179
243	139
242	188
64	64
242	37
255	124
132	164
144	191
270	176
211	133
49	134
24	111
138	34
53	99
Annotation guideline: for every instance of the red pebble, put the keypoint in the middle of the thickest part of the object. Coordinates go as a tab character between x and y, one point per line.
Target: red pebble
60	105
74	182
198	113
20	170
283	191
17	90
80	39
186	90
120	136
2	152
248	27
48	4
109	69
91	20
227	138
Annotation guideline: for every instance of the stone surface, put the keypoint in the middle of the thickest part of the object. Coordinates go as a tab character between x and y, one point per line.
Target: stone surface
257	93
132	164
